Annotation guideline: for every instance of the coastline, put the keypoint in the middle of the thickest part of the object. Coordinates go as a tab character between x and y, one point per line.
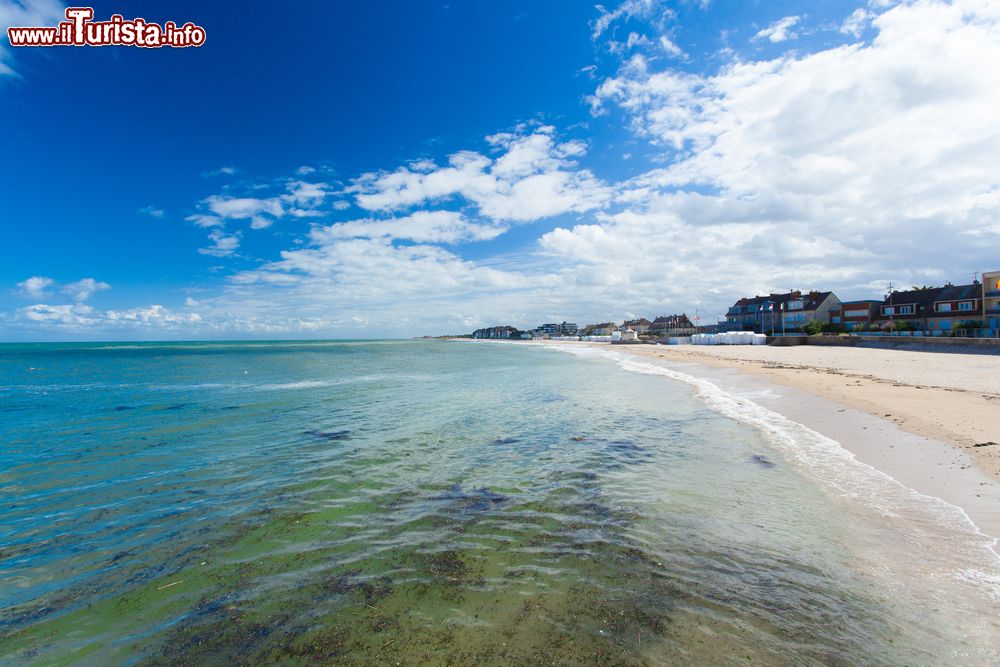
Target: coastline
952	398
914	416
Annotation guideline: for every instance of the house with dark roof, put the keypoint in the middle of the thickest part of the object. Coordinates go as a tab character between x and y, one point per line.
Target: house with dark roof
814	305
672	325
934	309
788	311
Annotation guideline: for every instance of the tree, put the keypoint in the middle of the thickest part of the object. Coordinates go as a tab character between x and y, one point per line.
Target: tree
813	327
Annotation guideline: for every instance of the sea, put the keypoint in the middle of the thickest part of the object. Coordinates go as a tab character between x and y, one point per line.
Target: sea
453	503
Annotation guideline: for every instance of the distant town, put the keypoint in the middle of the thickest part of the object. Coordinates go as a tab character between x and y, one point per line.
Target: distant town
949	310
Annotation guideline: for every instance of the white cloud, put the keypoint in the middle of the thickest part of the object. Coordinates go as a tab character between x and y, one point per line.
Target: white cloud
420	226
780	30
670	47
242	208
35	286
535	177
223	245
856	23
630	9
80	317
83	289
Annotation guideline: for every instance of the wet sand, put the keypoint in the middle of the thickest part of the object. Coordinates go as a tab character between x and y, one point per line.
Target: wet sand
917	416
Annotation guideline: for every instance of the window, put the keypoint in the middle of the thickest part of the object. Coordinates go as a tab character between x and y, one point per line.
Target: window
944	307
906	310
856	313
795	305
965	305
888	310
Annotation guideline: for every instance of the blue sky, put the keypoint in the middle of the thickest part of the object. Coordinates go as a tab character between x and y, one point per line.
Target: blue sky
394	169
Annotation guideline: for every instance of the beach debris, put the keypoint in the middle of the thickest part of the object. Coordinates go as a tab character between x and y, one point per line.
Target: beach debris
160	588
762	461
987	444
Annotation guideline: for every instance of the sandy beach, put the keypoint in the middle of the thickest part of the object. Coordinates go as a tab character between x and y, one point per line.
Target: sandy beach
929	420
953	398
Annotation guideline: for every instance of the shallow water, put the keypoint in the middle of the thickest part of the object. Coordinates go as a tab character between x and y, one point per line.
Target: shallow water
436	503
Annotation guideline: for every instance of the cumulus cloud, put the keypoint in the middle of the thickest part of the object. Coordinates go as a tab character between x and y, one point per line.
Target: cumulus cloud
81	317
83	289
35	286
535	177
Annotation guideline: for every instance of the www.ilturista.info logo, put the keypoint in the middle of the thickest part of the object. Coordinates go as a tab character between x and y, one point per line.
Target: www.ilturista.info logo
79	29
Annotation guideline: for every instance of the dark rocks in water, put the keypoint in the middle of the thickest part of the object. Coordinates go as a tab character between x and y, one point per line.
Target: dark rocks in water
578	438
477	500
329	435
504	440
762	461
625	446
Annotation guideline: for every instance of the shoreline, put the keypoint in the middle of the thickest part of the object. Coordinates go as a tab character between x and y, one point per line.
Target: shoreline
915	424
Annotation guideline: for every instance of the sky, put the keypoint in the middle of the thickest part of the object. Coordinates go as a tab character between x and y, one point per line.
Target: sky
388	169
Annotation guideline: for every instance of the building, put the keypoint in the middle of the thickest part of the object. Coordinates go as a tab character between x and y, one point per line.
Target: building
568	329
672	325
640	326
936	310
855	315
497	332
602	329
628	335
789	311
749	314
991	300
552	329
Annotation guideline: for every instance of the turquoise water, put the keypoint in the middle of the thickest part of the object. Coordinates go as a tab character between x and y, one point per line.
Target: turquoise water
426	503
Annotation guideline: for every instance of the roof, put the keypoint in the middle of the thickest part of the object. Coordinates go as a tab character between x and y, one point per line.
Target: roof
673	319
810	301
926	298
